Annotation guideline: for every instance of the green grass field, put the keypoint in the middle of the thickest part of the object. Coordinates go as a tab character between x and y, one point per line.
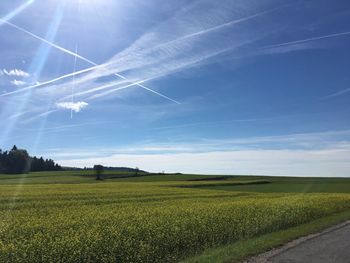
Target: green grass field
70	217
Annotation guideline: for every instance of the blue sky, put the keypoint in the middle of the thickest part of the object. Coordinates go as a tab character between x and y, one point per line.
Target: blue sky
230	87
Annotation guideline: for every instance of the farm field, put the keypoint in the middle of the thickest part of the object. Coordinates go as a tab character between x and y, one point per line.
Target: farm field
71	217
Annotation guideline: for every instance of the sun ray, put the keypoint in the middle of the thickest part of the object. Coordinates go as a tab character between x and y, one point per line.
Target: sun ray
16	11
35	68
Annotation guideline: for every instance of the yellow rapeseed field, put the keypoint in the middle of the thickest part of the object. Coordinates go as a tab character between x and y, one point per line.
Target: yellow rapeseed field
119	221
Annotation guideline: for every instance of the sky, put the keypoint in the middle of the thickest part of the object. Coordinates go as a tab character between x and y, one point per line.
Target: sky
195	86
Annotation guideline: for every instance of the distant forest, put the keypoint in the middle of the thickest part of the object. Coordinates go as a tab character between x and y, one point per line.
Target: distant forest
18	161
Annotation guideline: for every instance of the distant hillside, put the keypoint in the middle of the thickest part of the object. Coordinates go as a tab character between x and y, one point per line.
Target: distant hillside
117	169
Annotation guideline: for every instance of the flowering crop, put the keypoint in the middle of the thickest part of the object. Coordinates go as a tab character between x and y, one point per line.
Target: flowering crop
141	222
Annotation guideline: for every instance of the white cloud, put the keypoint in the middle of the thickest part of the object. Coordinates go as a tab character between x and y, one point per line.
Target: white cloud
263	162
18	82
316	141
74	106
313	154
16	72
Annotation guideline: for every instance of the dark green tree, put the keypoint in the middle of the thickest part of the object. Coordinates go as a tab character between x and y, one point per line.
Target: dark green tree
1	161
137	170
98	171
17	161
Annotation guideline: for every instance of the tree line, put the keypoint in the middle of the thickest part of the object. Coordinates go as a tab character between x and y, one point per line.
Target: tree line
18	161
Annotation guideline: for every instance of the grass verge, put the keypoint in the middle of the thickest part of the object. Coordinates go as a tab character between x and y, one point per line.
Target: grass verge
244	249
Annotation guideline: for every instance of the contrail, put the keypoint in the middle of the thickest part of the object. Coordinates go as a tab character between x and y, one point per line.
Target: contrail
236	21
116	89
79	56
73	86
58	128
308	39
16	11
156	92
106	86
47	42
229	23
113	84
51	81
155	76
336	94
